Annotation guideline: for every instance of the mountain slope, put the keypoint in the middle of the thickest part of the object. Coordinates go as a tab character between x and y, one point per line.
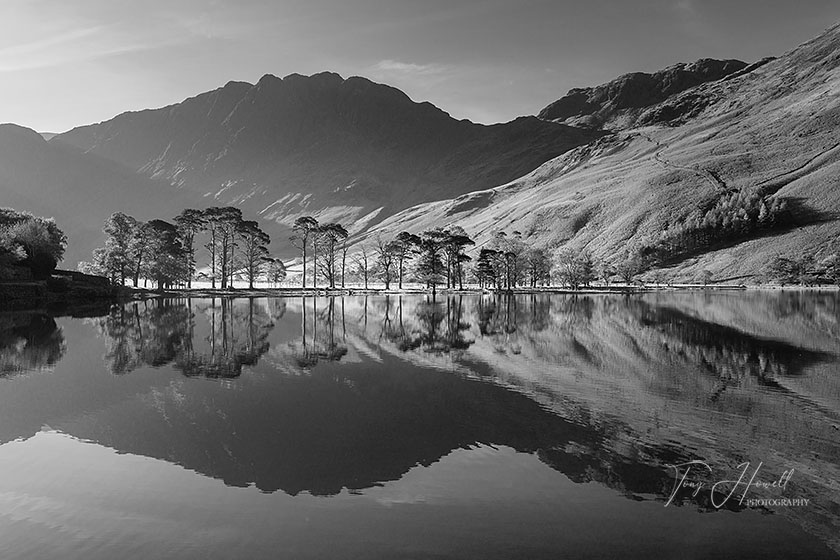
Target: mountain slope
340	149
622	101
78	190
775	128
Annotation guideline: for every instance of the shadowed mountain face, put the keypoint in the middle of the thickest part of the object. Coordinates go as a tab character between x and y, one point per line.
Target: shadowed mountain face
79	190
622	100
320	145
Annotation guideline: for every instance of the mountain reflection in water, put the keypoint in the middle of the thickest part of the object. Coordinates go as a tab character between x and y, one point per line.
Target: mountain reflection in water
323	394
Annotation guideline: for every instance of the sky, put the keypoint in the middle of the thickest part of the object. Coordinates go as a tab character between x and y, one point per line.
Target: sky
65	63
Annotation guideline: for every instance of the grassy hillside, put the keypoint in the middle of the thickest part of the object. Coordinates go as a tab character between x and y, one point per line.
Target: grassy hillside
774	131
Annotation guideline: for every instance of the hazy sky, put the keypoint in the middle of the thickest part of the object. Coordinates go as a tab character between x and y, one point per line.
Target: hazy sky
70	62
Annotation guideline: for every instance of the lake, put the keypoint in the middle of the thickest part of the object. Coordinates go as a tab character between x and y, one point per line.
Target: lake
684	424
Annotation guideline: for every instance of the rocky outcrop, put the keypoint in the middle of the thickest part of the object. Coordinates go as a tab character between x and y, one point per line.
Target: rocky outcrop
618	103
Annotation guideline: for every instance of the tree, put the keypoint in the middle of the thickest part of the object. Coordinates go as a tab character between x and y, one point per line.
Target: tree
222	224
34	242
329	236
254	249
304	227
463	259
829	268
344	249
167	262
568	268
512	250
706	276
539	266
404	247
605	271
487	271
629	268
386	261
586	268
575	269
430	266
139	250
364	264
275	270
792	270
190	222
453	246
97	265
119	245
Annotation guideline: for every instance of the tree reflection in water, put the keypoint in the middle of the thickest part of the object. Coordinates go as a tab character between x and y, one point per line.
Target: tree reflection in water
435	326
238	337
162	331
318	338
29	342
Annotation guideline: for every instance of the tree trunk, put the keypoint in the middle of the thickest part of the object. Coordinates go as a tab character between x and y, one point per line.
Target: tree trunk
303	278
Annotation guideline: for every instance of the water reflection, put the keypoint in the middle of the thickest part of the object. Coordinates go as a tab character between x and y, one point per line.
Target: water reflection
159	332
324	394
434	326
29	342
238	337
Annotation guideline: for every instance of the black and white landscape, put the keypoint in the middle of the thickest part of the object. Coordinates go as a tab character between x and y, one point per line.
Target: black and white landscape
262	295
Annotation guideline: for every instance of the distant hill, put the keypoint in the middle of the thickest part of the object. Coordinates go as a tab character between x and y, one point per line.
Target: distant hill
772	128
349	150
78	190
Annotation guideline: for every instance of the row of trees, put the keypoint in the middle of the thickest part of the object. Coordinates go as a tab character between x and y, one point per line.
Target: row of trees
165	252
438	257
29	241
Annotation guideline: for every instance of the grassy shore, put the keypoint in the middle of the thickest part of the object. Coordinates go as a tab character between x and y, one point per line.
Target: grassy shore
356	290
75	290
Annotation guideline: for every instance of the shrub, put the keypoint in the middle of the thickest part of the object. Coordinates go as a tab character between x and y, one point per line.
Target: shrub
34	242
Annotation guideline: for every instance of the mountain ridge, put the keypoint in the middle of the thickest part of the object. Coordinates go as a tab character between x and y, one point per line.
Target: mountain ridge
621	100
342	149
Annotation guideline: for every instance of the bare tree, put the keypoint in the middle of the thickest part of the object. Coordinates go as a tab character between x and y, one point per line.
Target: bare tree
364	264
385	258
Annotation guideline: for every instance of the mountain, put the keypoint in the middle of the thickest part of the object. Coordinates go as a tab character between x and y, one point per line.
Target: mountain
78	190
771	130
623	100
341	149
634	165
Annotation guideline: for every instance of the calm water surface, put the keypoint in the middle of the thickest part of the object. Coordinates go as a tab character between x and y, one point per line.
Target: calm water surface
393	427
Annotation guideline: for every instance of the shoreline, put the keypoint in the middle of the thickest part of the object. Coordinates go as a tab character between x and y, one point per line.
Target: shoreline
19	296
354	291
